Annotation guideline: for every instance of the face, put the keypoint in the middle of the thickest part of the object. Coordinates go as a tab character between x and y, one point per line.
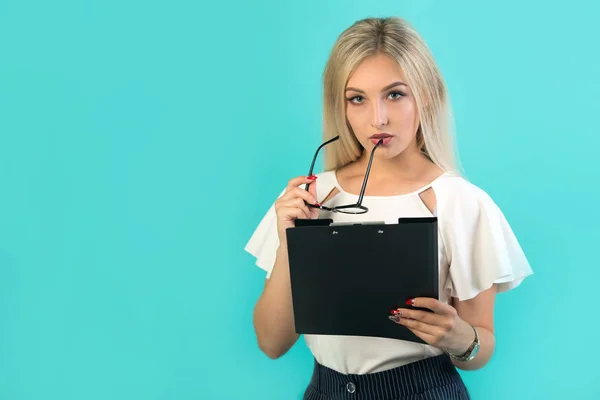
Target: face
379	104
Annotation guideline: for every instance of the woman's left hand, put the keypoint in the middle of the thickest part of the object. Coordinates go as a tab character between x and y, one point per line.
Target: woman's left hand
443	328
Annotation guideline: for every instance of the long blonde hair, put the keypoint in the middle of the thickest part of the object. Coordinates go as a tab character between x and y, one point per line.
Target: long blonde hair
395	38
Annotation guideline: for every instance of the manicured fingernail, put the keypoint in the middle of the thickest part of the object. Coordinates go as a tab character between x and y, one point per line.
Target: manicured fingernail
312	177
396	311
395	318
317	204
410	302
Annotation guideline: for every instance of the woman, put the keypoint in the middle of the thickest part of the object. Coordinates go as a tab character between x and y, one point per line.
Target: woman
383	91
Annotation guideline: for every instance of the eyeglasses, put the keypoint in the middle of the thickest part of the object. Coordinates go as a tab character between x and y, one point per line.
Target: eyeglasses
356	208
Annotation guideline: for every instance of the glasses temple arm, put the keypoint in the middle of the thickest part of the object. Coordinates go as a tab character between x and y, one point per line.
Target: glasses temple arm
364	186
312	165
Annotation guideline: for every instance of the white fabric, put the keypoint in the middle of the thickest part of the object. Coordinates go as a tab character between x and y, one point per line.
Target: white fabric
477	248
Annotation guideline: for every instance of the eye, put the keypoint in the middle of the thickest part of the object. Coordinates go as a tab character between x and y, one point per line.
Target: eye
356	99
396	95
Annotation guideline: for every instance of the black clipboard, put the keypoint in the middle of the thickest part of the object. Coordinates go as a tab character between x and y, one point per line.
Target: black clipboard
345	279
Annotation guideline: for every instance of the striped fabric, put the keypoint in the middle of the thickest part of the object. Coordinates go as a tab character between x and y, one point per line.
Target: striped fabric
429	379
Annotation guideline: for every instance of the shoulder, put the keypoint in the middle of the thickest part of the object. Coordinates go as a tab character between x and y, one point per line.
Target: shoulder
457	187
454	192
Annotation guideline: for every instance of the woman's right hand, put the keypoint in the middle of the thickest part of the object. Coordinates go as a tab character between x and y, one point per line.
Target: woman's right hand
291	205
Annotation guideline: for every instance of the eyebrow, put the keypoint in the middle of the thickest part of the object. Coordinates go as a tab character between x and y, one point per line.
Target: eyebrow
391	85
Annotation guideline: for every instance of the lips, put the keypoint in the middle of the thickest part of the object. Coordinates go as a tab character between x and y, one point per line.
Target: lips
381	136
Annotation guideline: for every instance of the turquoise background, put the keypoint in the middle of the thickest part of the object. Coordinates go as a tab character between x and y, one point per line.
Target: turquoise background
142	141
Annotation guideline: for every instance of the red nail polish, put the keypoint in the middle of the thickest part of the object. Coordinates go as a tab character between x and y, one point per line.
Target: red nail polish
312	177
410	302
318	204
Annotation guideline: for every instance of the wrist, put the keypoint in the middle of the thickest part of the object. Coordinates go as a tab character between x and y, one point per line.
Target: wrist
464	339
470	353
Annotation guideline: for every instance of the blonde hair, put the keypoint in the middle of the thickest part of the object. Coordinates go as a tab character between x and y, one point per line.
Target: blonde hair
395	38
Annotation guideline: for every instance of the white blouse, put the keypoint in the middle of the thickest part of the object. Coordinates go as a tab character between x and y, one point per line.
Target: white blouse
477	248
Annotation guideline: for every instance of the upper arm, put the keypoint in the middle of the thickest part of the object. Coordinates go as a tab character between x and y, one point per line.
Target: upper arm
479	310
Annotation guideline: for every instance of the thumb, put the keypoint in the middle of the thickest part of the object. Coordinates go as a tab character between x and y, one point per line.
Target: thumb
312	189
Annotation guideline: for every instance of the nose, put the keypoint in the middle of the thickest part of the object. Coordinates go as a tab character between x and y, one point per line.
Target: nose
380	115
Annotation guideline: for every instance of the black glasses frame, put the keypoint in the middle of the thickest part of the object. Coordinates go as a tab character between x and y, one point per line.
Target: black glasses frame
348	208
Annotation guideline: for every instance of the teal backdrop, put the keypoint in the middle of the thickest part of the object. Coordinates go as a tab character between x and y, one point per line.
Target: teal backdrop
142	141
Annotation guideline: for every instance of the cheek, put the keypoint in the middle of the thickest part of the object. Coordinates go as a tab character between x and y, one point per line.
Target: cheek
404	110
356	118
406	117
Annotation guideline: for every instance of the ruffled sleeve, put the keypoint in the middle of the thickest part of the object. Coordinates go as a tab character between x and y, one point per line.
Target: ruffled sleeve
264	242
480	246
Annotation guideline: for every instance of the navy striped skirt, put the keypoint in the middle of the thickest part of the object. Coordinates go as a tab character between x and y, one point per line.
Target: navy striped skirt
429	379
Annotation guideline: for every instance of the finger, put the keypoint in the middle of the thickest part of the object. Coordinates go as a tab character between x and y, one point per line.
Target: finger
430	339
292	203
296	182
299	193
426	317
314	212
419	326
294	213
312	189
432	304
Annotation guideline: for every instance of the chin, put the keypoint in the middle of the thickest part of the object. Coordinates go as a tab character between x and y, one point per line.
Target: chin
388	155
390	151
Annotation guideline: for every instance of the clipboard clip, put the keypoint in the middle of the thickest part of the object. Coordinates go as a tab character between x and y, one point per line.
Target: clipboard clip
329	222
312	222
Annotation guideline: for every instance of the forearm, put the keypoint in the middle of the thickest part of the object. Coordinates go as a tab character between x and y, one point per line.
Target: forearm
273	314
486	349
